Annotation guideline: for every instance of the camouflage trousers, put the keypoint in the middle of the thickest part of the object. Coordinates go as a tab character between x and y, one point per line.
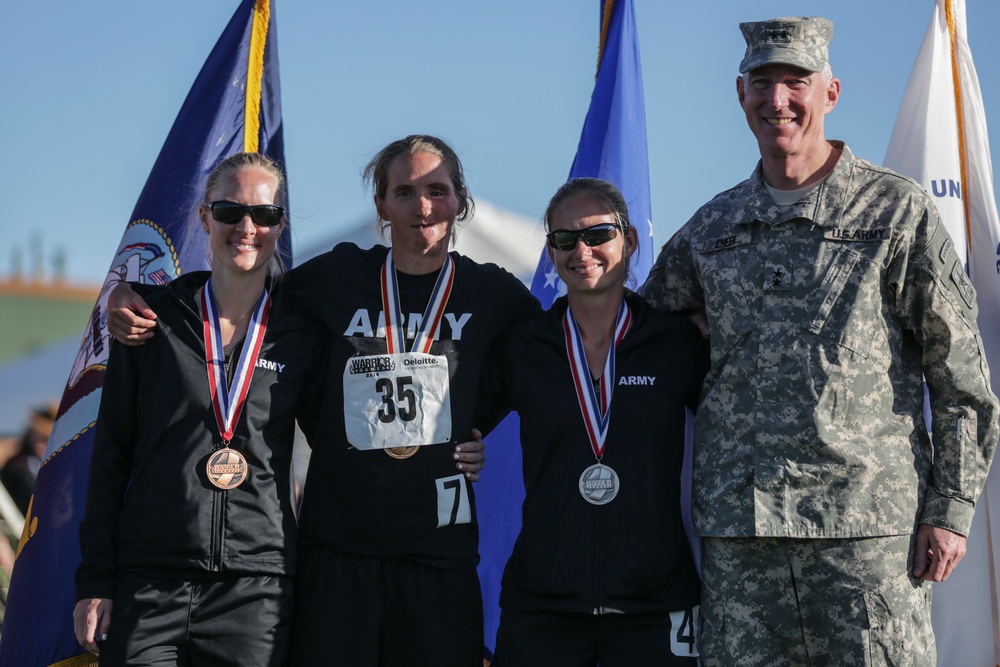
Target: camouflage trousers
782	602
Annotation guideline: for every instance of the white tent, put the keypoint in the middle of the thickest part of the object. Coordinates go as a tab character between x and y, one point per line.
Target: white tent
492	235
33	380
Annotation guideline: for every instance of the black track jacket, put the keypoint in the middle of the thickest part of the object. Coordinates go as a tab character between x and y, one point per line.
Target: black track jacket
150	506
630	555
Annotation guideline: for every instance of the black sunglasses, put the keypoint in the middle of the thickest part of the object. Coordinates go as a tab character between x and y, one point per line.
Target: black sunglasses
566	239
265	215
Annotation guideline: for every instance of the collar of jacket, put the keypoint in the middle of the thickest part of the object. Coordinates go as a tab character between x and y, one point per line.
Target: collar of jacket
550	323
824	206
185	289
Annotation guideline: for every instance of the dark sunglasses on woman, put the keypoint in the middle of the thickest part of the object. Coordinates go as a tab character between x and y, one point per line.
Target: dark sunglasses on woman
566	239
264	215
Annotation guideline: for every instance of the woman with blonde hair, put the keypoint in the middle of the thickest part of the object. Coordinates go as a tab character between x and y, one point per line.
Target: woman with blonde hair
188	543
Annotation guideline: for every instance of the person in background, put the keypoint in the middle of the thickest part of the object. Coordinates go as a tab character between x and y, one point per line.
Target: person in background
22	458
832	290
602	572
19	473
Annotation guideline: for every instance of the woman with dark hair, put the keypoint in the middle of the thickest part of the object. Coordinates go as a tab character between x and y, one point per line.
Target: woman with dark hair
601	572
388	541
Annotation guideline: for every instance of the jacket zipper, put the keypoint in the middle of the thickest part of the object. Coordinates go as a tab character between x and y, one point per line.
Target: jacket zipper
598	593
220	498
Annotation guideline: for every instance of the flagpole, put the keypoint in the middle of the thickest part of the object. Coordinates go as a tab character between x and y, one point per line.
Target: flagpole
255	74
960	116
606	12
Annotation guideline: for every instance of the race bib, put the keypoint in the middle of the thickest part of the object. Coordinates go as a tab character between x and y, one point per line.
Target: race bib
684	632
397	400
453	501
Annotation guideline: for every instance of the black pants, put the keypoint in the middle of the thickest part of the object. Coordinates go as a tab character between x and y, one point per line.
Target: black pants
238	621
365	611
547	639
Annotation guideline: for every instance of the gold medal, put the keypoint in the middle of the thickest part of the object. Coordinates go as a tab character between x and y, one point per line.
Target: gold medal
402	452
226	469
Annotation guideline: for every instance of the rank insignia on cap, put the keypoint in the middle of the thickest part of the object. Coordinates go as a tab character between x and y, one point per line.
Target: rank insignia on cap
778	35
800	41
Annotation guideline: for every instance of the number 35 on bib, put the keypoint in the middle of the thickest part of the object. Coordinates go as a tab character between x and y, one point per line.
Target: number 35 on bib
397	400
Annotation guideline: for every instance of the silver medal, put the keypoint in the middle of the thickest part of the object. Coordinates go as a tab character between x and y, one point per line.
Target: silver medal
599	484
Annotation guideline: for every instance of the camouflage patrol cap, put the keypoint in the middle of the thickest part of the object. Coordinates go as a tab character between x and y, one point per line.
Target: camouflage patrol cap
802	41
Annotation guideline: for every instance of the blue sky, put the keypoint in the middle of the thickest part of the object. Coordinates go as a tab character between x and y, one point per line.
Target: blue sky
91	90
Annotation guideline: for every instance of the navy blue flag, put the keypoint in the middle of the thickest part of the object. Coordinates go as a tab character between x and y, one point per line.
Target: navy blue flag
234	105
613	147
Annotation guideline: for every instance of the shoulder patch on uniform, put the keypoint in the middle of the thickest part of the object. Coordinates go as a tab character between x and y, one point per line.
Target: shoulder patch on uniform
730	240
963	284
864	235
945	249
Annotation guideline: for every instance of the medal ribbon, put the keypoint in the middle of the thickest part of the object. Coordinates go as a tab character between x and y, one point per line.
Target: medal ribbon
395	333
228	401
596	407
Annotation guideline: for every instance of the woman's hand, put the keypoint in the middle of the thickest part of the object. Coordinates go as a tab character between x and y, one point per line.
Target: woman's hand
700	319
91	620
471	456
130	320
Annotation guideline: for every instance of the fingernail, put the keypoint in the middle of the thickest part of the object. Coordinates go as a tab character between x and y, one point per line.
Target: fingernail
454	456
104	637
458	448
460	466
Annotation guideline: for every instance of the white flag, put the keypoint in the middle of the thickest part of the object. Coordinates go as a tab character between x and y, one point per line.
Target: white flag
941	119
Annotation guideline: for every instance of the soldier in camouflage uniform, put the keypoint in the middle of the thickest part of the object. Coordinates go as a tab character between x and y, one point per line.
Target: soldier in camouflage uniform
831	290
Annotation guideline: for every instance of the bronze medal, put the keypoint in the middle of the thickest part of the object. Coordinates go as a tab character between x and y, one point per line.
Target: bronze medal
402	452
226	469
395	332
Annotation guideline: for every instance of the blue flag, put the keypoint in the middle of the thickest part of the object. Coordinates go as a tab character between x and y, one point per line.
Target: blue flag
613	142
613	147
234	105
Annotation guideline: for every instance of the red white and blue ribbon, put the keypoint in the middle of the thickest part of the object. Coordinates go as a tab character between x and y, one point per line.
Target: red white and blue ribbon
395	333
595	405
228	401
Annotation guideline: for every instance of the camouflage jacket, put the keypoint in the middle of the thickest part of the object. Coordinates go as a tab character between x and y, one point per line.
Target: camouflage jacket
824	317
